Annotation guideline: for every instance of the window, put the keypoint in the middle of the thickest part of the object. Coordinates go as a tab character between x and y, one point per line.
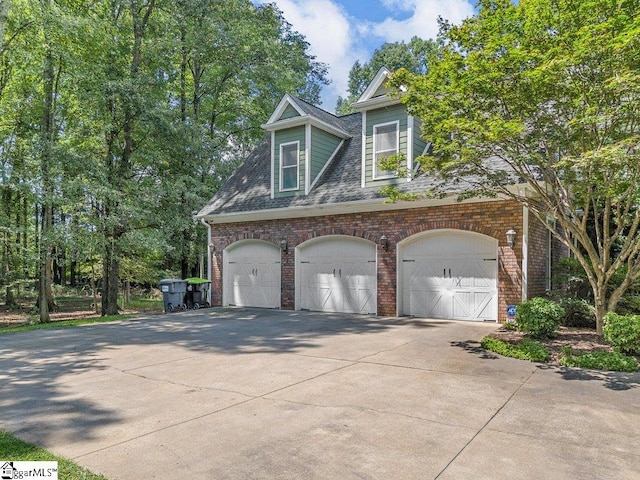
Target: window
385	143
289	166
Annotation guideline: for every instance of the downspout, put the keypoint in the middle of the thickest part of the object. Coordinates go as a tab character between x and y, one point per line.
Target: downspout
209	255
525	253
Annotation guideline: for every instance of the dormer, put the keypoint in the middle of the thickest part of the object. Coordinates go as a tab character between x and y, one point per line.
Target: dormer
304	141
387	129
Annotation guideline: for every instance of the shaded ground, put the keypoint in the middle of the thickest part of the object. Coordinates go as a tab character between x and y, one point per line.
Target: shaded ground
68	308
261	394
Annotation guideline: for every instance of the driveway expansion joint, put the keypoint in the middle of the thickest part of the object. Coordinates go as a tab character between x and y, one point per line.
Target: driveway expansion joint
481	429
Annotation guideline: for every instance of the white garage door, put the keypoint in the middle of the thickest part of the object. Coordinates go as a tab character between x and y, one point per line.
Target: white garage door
450	274
252	275
337	274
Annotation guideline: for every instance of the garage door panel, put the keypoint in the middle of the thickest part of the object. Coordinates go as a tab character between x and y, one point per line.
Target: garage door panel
337	274
450	274
252	275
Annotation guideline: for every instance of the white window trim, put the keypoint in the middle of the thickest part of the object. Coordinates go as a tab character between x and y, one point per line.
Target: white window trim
375	127
297	166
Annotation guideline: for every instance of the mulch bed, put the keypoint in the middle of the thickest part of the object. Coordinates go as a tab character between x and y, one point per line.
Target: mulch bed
581	340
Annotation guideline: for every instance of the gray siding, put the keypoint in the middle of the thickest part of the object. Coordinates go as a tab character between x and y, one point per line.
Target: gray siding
323	145
376	117
296	134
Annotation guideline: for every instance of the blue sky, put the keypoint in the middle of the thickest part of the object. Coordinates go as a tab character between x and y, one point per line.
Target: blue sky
343	31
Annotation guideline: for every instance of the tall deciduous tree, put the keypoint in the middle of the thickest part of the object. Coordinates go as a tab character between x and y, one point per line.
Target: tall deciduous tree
551	88
121	117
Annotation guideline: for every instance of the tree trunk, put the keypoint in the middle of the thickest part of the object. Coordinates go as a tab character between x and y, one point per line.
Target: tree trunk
10	299
110	280
600	301
45	303
4	12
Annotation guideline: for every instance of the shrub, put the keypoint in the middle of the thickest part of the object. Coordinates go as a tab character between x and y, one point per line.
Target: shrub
539	317
623	332
525	350
613	361
577	312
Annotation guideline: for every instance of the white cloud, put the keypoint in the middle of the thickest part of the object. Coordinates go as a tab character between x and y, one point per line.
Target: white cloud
338	39
423	21
326	26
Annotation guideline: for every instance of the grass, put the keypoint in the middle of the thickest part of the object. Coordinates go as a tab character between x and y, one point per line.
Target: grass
65	323
611	361
526	349
14	449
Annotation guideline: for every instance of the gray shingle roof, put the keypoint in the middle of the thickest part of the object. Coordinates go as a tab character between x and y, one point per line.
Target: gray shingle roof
248	188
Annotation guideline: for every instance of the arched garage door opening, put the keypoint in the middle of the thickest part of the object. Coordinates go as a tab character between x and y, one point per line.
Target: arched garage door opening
336	274
251	275
449	274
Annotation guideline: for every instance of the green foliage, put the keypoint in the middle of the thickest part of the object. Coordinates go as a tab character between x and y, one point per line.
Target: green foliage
412	56
509	85
12	448
612	361
539	317
623	332
577	312
394	195
148	120
526	349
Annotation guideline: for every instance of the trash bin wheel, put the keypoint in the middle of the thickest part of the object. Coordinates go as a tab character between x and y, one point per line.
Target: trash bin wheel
196	305
206	305
170	308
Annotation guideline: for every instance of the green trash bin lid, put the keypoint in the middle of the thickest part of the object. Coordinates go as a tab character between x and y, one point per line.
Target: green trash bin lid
196	281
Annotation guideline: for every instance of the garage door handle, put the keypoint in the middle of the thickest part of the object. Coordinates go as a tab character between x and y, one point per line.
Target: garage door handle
444	272
449	273
340	273
334	272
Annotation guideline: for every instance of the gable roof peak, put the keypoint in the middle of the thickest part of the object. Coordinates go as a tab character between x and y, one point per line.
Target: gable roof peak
287	100
378	81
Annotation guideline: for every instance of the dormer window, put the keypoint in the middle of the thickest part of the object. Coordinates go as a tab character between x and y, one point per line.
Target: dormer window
289	166
386	142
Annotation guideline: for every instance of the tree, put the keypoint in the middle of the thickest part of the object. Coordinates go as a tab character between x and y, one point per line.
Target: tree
552	90
119	119
411	56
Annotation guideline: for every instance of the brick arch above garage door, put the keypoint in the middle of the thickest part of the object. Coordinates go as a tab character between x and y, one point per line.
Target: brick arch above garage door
327	231
429	226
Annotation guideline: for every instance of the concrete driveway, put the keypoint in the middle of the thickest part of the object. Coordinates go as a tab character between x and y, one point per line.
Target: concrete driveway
263	394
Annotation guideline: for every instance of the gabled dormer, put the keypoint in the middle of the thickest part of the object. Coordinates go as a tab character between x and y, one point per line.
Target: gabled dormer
387	129
304	141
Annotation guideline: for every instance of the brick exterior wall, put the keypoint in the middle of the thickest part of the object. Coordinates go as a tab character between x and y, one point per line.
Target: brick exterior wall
537	258
489	218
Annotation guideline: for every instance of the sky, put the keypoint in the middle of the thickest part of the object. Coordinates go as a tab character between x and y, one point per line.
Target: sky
342	31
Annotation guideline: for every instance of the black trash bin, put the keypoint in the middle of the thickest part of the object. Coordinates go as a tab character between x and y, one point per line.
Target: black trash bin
197	292
173	290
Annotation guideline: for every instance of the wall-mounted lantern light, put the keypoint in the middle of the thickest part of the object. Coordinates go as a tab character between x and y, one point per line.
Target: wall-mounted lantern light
384	243
283	245
511	237
212	248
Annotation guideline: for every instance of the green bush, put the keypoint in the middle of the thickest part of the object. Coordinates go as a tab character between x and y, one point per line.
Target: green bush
577	312
623	332
613	361
525	350
539	317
